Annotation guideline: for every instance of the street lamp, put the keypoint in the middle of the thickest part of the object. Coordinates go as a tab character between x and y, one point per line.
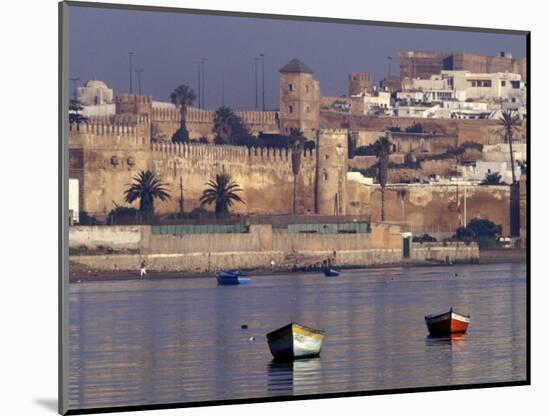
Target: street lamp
131	55
139	72
74	80
263	82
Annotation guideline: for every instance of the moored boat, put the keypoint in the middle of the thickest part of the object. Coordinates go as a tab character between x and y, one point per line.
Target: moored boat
447	323
233	277
331	272
295	341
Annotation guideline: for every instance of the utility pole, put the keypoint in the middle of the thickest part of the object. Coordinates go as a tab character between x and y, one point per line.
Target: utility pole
74	80
256	82
139	72
263	82
131	55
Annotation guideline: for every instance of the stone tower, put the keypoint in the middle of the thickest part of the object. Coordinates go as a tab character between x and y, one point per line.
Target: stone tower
134	104
300	99
332	169
359	83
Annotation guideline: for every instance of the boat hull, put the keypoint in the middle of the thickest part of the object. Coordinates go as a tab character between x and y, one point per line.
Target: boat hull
231	278
447	323
295	341
331	273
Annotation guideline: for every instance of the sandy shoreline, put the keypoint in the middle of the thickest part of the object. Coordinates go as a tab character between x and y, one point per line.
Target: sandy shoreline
81	273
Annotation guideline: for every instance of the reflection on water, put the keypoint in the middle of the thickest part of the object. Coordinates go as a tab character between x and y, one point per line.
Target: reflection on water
293	378
171	341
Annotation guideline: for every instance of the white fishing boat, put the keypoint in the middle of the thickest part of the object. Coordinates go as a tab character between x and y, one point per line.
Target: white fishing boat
295	341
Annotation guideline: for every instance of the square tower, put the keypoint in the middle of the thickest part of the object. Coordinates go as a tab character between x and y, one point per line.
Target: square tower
300	99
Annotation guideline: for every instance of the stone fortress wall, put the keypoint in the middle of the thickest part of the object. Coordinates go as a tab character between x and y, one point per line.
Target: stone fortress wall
109	151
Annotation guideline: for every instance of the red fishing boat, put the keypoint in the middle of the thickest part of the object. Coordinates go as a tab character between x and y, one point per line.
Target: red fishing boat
447	323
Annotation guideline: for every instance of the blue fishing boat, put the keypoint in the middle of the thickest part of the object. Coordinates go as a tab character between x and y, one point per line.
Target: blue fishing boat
331	272
233	277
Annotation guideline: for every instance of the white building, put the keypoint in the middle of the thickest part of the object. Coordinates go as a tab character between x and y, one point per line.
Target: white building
95	92
419	111
376	101
501	87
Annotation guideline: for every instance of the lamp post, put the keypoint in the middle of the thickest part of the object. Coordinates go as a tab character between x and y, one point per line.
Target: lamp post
263	82
131	55
389	67
74	80
198	82
203	61
139	72
256	82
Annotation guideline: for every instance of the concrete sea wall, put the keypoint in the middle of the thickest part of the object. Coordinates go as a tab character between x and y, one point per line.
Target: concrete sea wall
258	248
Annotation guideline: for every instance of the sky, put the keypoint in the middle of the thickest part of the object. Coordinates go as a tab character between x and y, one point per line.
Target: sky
167	45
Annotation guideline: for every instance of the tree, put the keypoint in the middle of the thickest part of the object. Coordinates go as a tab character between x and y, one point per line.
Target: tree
181	135
484	232
182	97
222	192
382	150
510	122
352	145
75	107
492	179
146	187
229	129
296	142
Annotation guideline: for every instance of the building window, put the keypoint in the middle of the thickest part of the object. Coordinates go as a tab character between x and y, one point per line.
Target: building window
290	87
515	84
502	83
290	109
307	88
325	175
307	109
326	157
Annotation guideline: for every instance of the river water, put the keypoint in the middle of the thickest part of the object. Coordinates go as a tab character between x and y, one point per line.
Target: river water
143	342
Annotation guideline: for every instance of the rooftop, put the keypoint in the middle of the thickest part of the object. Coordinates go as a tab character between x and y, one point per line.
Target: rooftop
296	66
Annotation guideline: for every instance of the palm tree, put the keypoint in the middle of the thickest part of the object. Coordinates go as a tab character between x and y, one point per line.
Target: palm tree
183	97
296	142
230	129
223	124
492	179
382	148
222	192
146	187
510	122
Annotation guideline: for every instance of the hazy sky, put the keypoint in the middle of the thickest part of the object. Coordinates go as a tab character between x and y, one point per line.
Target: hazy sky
165	46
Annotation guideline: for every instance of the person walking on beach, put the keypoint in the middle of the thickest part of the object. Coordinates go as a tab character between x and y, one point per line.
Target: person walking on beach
143	271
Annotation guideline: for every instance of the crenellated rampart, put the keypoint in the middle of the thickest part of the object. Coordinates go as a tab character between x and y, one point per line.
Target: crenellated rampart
231	154
108	135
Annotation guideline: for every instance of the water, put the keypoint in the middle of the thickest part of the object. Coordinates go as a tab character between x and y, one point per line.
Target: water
172	341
